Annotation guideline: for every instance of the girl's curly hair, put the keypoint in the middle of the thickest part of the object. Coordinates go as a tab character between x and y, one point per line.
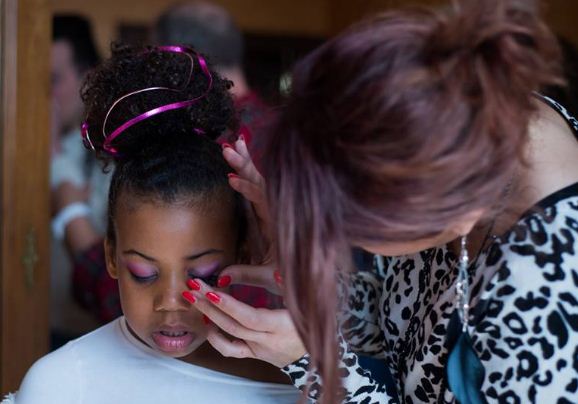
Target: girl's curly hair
162	158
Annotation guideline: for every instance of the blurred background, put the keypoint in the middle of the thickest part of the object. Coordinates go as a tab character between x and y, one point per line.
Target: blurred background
275	31
52	288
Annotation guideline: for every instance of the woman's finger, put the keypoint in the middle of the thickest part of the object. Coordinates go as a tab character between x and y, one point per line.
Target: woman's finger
248	181
242	149
251	191
228	348
233	316
254	194
268	335
222	320
253	275
242	164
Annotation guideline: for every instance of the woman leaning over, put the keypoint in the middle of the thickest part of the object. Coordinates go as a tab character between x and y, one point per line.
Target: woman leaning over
420	136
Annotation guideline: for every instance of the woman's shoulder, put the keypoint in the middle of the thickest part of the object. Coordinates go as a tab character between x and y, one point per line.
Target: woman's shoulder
559	108
549	229
526	320
543	242
537	262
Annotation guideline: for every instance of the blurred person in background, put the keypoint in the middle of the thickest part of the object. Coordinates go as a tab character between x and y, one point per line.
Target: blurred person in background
211	30
78	185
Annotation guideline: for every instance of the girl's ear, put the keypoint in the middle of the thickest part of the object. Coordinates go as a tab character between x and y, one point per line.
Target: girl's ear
110	259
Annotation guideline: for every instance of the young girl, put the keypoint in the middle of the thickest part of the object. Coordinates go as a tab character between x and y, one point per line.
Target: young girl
155	113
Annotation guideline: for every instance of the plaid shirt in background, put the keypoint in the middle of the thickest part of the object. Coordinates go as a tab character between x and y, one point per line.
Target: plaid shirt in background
92	286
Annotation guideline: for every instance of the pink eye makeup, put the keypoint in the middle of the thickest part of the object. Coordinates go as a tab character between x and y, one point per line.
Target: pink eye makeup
141	272
209	273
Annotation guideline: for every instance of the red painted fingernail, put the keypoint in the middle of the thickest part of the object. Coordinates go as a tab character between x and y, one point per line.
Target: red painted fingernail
225	145
232	175
189	296
206	320
278	278
224	281
192	284
213	297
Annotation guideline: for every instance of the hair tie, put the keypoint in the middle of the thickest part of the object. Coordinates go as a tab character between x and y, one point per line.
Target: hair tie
85	136
108	139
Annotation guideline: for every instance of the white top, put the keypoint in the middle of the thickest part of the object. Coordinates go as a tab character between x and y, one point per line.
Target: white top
111	366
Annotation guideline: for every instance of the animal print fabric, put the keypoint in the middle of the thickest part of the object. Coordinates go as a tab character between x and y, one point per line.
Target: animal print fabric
524	316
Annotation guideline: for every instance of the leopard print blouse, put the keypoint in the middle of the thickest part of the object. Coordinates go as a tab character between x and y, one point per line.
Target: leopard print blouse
524	318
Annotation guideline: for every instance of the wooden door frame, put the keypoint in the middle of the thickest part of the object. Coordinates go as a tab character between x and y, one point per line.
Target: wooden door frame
24	189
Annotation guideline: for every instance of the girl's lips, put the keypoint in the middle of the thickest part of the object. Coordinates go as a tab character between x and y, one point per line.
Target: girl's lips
172	341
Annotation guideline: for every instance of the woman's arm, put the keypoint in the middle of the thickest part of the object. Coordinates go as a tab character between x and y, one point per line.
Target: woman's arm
358	384
361	317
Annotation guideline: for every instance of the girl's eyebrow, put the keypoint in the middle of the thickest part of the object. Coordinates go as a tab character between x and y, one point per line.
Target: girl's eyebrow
203	253
189	258
135	252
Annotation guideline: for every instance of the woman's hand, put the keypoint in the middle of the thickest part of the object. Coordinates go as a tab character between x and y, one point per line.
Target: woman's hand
268	335
248	181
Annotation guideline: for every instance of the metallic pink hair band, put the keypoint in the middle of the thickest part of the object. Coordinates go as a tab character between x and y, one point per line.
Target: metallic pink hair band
155	111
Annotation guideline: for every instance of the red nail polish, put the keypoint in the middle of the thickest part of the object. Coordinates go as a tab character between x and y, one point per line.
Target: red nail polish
278	278
232	175
213	297
224	281
194	285
225	145
189	296
206	320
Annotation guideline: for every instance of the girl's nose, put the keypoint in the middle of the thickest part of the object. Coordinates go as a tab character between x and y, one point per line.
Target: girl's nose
169	296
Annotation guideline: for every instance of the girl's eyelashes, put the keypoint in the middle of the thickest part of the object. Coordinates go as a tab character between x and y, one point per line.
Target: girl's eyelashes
143	279
210	278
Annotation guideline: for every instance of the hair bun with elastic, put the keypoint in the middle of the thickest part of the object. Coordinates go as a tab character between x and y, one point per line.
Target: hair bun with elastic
147	99
495	43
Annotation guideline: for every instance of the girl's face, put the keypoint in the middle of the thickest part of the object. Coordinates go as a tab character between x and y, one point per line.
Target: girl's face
158	247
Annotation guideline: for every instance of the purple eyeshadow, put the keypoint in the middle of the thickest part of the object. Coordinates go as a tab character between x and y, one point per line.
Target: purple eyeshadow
140	270
205	271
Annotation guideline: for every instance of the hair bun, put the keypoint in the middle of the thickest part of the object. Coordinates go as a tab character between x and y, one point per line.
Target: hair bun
496	43
154	98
